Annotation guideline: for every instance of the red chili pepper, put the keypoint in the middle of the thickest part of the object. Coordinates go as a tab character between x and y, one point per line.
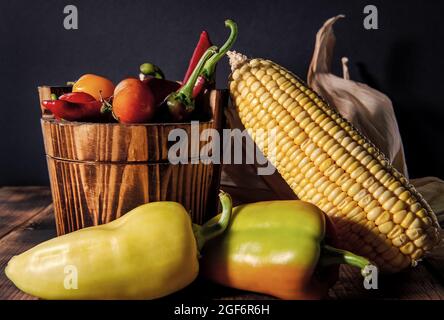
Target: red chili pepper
75	106
77	97
201	83
202	45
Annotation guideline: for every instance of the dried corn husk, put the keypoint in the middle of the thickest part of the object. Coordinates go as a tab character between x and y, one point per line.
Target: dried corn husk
371	112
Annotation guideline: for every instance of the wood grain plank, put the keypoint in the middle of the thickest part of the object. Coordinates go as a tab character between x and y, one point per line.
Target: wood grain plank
19	204
436	267
411	284
39	228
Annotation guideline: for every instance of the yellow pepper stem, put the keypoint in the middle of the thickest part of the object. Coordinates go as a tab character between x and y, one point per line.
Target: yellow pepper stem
209	231
331	255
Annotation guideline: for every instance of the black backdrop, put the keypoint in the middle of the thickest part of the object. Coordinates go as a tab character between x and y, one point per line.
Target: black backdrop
403	58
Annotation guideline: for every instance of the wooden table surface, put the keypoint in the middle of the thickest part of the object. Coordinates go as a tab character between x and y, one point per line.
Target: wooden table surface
26	219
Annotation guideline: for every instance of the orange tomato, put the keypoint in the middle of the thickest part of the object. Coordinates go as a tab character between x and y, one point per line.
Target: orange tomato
133	102
95	85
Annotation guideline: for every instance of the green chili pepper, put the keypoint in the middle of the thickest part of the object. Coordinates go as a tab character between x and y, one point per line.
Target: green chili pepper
181	102
149	69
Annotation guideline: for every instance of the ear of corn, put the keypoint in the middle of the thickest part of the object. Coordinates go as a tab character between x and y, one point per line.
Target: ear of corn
327	162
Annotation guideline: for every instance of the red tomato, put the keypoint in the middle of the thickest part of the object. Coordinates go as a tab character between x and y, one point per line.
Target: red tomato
133	102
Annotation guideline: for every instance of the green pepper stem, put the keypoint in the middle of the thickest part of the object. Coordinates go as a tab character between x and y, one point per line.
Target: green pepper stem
187	89
209	231
210	65
331	256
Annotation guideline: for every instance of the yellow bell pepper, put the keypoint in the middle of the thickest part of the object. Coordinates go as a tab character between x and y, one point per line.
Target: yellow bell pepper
148	253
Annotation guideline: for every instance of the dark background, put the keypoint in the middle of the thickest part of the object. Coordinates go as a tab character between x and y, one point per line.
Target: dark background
403	59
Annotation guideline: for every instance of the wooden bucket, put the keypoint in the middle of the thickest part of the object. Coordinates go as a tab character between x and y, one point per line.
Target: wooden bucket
100	171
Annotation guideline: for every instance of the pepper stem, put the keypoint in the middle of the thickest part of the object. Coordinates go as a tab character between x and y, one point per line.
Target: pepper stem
210	65
186	91
106	105
331	255
209	231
